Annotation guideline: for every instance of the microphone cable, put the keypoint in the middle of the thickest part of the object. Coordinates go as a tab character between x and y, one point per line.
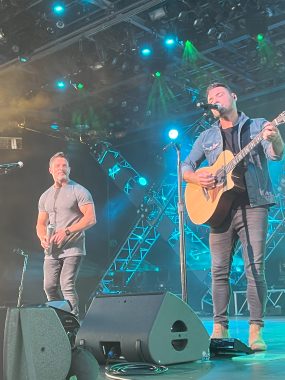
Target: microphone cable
118	370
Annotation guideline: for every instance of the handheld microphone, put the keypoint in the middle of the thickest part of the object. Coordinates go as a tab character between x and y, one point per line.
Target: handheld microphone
19	251
12	165
50	232
208	106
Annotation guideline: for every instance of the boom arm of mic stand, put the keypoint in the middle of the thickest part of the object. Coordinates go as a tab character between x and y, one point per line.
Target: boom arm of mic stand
21	287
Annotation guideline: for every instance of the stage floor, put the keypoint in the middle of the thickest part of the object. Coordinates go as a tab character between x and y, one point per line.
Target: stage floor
260	366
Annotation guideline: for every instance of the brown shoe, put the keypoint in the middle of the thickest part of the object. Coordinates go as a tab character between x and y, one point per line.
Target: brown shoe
256	341
219	332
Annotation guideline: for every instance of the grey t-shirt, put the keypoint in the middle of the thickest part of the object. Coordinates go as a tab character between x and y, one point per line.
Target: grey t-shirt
62	206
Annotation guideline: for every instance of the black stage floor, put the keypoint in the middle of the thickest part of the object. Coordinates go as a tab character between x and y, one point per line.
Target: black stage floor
260	366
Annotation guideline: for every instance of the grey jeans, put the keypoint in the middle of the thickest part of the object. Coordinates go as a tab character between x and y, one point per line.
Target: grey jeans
249	225
60	277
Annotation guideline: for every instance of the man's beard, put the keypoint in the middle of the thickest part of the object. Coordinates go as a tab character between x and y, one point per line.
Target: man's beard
62	178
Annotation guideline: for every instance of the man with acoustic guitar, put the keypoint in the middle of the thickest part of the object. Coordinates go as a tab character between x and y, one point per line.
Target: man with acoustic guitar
233	195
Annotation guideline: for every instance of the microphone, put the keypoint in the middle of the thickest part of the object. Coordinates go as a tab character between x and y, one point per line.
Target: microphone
208	106
12	165
19	251
50	232
172	143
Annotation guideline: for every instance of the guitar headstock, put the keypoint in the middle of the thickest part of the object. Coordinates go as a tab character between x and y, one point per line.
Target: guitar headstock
280	119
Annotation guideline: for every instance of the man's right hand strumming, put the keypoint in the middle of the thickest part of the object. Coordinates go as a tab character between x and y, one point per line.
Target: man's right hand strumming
201	178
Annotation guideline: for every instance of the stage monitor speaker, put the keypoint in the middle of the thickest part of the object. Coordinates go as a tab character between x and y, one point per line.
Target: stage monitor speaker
35	345
156	328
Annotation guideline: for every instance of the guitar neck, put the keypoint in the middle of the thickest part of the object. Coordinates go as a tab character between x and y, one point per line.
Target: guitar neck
246	150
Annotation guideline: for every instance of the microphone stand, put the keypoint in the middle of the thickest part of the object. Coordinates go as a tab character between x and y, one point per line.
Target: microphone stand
21	287
180	210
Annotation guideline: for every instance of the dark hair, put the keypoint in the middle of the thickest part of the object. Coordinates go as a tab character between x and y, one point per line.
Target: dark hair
58	154
217	84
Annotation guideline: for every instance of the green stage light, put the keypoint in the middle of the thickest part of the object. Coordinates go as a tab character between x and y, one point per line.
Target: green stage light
260	37
158	74
79	86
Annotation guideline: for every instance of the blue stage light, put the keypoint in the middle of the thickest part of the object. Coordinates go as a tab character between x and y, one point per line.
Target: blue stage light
58	8
173	134
60	84
146	51
23	58
54	126
142	181
169	41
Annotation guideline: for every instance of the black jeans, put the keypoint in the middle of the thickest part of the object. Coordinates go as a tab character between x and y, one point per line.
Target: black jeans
249	225
61	274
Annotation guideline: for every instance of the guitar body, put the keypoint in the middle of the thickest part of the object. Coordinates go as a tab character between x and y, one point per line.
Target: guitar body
211	206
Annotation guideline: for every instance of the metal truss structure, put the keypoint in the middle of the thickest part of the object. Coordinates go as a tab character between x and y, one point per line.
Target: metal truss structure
158	219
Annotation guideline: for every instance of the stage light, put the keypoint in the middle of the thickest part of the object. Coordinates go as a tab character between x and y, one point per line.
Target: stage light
169	41
2	36
260	37
54	126
60	24
78	85
23	58
173	134
198	23
142	181
60	84
157	74
58	8
157	14
146	52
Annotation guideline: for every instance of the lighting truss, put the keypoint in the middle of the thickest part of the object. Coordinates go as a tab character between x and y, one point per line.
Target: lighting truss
160	221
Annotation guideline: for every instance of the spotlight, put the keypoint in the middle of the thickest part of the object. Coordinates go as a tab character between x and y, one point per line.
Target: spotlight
77	85
260	37
222	36
60	24
170	41
157	14
173	134
212	32
198	23
23	58
146	52
54	126
58	8
2	36
142	181
15	48
60	84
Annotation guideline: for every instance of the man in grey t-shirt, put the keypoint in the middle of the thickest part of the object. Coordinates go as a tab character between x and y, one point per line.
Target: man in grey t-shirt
66	210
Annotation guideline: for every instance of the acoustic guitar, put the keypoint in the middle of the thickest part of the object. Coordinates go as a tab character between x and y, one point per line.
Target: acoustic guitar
211	206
